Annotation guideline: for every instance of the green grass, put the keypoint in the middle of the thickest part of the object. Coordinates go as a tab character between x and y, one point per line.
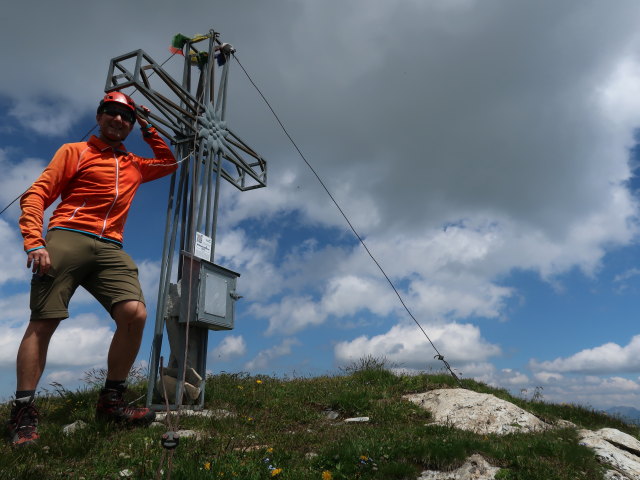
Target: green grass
280	430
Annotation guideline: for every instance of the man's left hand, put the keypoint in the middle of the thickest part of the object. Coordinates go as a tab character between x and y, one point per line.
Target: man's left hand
142	121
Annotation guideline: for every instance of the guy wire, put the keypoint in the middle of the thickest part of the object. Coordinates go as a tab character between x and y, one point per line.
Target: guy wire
439	356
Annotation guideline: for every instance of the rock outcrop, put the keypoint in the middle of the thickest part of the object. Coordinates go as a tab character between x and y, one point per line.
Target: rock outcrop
484	414
475	468
616	449
476	412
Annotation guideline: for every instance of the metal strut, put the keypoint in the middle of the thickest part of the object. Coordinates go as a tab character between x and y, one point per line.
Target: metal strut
200	295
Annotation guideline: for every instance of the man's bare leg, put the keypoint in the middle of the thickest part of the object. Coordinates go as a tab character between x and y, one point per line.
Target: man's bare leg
32	353
130	317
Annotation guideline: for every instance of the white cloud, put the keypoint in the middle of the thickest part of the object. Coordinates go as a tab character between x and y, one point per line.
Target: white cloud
260	278
586	390
291	315
9	342
607	358
513	378
63	377
231	346
406	346
80	341
595	392
12	257
15	316
349	294
16	178
149	276
626	275
548	377
45	117
264	359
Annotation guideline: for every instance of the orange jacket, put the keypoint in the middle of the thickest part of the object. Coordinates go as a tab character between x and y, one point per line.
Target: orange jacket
97	184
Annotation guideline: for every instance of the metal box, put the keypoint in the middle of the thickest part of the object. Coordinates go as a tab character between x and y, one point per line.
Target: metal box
207	294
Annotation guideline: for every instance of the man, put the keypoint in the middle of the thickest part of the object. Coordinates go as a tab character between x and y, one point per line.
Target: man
96	181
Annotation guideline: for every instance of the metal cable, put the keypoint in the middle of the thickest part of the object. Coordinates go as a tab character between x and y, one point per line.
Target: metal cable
439	356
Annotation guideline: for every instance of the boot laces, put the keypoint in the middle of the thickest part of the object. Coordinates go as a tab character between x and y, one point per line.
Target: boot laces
26	420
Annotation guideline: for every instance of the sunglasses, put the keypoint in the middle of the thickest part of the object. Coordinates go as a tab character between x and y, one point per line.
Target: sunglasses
127	116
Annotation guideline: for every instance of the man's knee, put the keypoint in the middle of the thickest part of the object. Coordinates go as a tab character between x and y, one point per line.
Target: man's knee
42	328
131	313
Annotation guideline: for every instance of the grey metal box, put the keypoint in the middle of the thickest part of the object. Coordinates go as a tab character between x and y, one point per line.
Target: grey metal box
208	294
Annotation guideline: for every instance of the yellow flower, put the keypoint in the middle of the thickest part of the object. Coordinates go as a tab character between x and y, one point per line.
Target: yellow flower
258	381
207	465
364	458
270	450
276	471
326	475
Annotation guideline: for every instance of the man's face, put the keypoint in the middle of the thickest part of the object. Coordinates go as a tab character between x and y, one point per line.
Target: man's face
115	122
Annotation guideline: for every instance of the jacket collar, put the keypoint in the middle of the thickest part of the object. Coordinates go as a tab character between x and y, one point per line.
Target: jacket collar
102	146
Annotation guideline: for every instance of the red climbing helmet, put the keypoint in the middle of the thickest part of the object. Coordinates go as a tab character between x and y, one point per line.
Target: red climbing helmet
118	97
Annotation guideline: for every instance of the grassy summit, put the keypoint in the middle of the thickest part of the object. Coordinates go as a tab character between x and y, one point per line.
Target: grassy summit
280	428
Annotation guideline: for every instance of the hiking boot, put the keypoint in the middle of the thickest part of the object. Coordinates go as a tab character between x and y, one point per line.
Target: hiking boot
112	408
23	424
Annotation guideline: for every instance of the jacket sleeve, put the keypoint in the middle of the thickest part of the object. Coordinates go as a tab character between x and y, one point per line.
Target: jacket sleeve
44	191
164	162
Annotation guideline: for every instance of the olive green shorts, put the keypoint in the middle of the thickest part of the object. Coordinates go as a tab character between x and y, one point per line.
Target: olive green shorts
100	266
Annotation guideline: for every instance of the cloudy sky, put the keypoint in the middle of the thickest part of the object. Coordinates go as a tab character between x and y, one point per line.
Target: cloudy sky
485	151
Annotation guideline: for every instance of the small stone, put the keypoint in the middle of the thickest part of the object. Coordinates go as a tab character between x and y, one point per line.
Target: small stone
357	420
331	415
219	413
73	427
189	434
126	473
251	448
475	467
565	424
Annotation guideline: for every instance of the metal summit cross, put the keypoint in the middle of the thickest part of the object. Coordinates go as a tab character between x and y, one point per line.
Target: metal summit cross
203	295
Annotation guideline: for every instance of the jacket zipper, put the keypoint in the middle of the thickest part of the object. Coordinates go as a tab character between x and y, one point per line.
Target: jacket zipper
104	224
76	210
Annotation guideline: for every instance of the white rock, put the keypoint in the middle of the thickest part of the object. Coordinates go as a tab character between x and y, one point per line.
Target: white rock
476	412
219	413
73	427
331	415
475	468
615	448
613	475
189	434
625	440
357	420
126	473
190	392
564	424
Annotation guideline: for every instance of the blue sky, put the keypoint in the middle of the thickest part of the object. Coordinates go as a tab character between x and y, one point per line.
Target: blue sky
485	150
